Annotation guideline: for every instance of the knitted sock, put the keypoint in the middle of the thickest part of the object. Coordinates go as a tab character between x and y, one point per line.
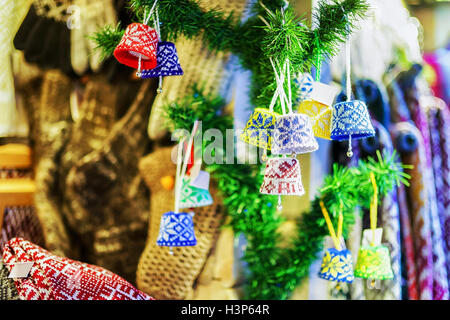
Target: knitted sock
163	275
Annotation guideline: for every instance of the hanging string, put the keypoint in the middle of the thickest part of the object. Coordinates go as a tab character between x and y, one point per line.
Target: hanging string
373	207
348	81
340	221
138	72
289	85
158	31
185	162
146	19
280	88
178	171
336	241
318	55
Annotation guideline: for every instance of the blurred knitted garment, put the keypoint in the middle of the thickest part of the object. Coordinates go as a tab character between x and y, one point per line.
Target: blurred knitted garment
56	278
159	273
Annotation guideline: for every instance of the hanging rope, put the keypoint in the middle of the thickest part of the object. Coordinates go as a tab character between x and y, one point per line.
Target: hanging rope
335	239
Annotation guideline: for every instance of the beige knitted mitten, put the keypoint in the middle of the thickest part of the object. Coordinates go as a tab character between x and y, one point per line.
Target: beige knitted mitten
163	275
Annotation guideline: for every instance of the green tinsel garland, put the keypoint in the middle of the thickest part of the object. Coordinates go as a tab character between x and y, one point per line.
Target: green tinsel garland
274	272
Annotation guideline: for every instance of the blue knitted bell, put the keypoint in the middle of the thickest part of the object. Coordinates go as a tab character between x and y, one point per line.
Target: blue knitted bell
337	265
351	118
176	230
167	62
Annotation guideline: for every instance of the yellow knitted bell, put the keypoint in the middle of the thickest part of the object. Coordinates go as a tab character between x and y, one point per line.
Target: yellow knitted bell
374	262
259	128
320	115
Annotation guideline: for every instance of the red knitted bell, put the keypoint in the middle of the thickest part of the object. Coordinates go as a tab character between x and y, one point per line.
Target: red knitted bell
139	40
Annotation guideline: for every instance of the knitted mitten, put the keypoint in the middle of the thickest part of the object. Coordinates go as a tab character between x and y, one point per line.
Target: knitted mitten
163	275
108	205
56	278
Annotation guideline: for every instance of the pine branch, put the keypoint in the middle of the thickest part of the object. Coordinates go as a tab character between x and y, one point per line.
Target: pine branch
107	39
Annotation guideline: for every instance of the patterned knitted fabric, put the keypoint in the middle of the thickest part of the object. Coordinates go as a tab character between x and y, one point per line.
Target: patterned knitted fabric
440	282
21	222
389	220
419	209
200	65
409	257
159	273
439	124
8	289
408	83
56	278
106	195
350	118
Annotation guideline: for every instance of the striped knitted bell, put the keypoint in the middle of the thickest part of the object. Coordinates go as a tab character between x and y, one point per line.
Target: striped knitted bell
138	46
176	230
337	266
320	115
305	85
192	196
282	176
167	62
259	128
374	262
351	118
293	134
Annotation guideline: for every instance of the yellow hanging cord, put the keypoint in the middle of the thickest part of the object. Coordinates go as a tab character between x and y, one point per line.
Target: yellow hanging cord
373	207
330	226
340	222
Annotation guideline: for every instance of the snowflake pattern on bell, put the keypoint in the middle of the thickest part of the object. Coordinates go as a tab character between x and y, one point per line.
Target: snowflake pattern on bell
176	230
374	262
193	197
282	176
138	40
337	265
168	63
320	115
293	134
305	84
259	128
351	118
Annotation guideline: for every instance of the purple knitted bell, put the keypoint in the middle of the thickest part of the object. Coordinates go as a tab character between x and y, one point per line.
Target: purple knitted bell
167	62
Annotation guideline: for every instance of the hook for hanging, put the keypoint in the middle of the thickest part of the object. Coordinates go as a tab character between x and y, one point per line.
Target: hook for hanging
139	73
159	90
349	151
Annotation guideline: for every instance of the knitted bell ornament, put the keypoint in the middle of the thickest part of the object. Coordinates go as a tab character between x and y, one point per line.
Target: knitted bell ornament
193	197
168	63
176	230
374	262
351	119
320	115
137	49
305	84
337	265
57	278
259	128
282	176
293	133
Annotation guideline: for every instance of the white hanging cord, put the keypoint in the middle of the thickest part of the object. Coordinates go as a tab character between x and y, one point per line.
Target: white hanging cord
186	159
280	81
348	81
146	19
177	178
158	30
348	88
138	73
289	85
